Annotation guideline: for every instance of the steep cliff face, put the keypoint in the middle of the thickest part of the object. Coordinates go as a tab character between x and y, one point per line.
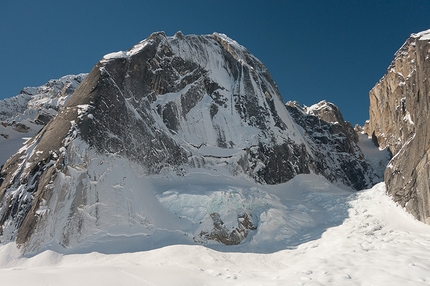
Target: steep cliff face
198	100
169	106
399	119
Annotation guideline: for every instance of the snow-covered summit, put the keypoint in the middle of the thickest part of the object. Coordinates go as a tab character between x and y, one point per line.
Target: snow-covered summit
23	115
326	111
231	45
46	98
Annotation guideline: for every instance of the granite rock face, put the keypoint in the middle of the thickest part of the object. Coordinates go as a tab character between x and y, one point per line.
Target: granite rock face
190	89
399	120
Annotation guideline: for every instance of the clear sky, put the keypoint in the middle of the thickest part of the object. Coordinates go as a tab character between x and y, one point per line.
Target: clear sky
333	50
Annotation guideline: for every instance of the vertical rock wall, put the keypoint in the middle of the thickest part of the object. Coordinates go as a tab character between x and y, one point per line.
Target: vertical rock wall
399	119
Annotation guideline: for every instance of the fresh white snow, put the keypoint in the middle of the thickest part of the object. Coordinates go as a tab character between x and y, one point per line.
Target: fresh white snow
424	35
11	140
377	158
115	55
374	242
125	54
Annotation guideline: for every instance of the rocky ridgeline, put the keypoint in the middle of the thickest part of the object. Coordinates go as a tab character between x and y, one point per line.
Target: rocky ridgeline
333	143
39	103
399	120
23	115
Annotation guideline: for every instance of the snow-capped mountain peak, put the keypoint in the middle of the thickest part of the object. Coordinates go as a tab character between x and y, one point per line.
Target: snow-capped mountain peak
170	108
23	115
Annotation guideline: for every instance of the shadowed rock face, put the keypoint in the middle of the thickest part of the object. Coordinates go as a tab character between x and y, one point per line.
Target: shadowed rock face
333	143
168	104
399	119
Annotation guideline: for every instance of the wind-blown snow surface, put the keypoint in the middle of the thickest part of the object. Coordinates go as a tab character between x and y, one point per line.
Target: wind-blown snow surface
373	243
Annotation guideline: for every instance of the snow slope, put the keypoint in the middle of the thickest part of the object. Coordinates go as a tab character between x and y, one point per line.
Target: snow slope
108	204
118	209
373	243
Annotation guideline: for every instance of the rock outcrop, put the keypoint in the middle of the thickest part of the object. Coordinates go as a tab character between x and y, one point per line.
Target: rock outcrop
399	120
333	143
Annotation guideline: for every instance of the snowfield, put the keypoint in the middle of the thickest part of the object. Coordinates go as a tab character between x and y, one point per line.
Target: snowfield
359	238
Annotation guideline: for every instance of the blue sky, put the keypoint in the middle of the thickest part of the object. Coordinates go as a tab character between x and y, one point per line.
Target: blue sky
315	50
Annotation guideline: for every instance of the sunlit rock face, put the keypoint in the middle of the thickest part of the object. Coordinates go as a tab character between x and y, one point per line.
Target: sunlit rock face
167	107
399	119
